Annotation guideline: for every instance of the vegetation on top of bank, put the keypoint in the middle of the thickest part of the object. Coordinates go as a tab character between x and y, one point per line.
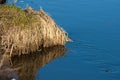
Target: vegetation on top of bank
15	16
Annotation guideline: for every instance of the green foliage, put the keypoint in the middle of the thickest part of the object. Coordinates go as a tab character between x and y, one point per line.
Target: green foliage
14	16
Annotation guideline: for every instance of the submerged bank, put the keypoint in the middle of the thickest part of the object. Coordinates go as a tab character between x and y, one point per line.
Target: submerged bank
26	31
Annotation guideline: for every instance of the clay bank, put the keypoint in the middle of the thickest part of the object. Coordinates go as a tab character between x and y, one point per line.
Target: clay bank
26	31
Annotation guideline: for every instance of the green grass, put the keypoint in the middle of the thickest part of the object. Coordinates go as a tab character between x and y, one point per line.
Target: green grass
14	16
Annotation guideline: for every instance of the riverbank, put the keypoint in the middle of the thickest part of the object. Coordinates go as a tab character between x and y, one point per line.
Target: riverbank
26	31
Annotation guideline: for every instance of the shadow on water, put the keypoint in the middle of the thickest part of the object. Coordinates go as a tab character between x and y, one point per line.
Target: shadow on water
24	67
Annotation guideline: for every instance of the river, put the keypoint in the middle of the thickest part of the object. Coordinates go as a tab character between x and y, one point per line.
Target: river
94	27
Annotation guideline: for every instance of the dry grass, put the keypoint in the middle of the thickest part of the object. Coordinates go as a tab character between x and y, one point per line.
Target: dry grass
22	32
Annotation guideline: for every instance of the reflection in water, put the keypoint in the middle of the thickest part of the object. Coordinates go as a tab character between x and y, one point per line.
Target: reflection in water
26	66
6	71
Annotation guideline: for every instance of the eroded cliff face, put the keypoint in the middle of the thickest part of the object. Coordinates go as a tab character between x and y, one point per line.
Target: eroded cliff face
26	31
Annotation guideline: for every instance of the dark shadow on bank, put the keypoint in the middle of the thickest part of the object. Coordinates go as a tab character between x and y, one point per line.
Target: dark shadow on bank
24	67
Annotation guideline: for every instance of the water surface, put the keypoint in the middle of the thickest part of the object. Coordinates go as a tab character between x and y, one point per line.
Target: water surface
95	29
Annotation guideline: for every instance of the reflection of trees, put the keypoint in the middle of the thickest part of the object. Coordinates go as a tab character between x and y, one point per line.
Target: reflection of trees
29	64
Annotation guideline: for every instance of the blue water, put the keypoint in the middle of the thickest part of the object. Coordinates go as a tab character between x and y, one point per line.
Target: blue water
94	26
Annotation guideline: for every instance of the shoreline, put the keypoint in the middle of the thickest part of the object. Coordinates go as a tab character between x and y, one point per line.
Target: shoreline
26	31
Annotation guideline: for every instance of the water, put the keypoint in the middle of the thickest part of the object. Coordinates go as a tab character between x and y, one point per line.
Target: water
95	29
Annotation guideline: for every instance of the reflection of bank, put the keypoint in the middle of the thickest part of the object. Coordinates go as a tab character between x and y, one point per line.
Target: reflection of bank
29	64
6	71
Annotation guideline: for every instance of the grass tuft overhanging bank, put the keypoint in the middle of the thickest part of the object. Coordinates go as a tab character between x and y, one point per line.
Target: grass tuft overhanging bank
26	31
